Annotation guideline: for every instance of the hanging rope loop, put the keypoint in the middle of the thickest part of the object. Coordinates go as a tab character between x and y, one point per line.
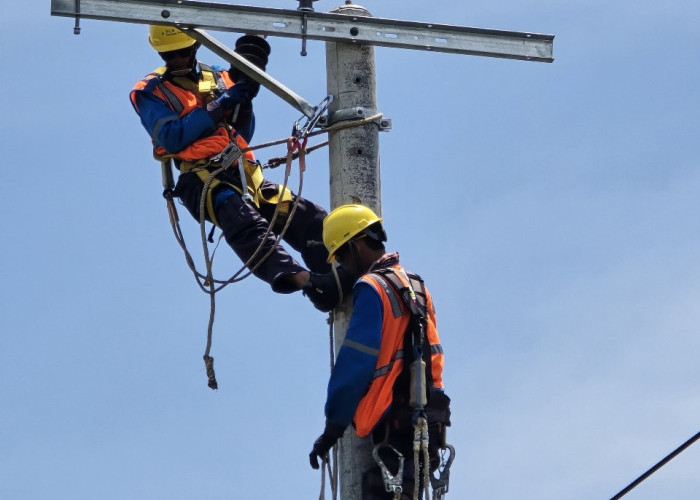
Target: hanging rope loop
296	149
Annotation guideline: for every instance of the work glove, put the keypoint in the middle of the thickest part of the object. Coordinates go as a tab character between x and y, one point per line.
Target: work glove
324	443
322	289
236	95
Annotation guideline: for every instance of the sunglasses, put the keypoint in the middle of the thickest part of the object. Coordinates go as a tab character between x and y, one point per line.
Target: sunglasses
181	53
344	250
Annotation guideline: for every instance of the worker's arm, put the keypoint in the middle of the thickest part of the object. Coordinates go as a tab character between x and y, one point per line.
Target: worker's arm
167	128
357	358
353	369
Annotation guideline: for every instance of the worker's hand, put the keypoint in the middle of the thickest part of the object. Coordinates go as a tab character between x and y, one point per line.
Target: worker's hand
324	443
238	94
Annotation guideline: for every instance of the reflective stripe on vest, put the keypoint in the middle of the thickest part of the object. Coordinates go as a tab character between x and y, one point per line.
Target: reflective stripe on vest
193	158
390	359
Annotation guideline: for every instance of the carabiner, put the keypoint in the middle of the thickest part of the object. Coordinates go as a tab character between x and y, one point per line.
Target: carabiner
441	484
392	484
300	132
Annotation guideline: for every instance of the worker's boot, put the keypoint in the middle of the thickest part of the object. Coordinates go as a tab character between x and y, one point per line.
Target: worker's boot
326	291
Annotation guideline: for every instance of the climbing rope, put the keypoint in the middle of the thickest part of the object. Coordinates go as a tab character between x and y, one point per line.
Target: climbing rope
330	467
296	149
207	282
420	447
276	162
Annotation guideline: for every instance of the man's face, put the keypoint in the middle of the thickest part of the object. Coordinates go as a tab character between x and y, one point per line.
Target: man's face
342	256
178	60
350	256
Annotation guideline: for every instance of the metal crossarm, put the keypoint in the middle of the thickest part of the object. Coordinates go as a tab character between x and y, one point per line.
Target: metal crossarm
253	72
328	27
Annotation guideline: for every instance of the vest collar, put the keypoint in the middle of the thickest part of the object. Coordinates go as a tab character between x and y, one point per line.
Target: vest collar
387	260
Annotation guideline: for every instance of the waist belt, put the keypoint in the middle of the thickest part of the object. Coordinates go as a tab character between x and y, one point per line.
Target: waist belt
254	181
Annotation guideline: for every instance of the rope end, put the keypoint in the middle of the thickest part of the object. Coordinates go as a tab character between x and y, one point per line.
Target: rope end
211	376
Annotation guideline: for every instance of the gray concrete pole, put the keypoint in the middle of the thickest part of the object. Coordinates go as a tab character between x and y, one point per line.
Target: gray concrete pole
354	178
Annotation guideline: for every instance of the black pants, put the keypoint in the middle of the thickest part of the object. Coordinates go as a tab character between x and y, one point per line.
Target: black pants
244	227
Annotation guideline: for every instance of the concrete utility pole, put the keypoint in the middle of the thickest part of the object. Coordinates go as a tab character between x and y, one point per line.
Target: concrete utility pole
354	177
350	34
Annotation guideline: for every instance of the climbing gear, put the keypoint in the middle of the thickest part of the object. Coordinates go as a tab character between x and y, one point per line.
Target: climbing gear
218	149
330	465
209	279
390	387
393	483
440	483
344	223
303	132
417	350
168	38
195	160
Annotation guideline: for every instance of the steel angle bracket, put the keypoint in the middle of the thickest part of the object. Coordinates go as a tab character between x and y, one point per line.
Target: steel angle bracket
329	27
252	71
355	113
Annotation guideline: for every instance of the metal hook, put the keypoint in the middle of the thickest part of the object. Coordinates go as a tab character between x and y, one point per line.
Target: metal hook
300	132
441	484
392	483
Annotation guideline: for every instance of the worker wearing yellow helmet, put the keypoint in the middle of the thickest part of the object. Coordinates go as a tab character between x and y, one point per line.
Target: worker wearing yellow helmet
391	329
166	39
193	112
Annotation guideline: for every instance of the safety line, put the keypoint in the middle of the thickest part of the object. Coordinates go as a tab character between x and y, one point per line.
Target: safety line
656	467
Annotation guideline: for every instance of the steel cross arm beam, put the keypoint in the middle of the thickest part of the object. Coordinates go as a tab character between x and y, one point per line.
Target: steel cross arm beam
319	26
253	71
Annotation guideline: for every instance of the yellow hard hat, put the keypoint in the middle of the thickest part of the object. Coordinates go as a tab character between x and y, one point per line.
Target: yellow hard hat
343	224
167	38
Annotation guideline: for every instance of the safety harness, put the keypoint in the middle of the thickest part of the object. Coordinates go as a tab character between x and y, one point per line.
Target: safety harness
210	86
417	378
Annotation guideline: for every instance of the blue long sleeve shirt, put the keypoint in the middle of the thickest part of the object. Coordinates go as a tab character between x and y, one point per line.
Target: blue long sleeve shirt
171	131
357	357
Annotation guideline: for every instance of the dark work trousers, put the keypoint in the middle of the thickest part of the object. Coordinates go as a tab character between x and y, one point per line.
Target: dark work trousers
244	227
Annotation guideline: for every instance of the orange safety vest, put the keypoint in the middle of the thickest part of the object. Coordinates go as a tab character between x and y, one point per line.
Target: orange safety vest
182	97
395	320
184	100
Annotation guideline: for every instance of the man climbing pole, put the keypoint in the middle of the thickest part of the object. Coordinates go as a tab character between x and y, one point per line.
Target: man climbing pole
387	379
199	117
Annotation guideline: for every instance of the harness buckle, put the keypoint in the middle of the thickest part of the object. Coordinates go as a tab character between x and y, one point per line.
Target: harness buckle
392	483
229	155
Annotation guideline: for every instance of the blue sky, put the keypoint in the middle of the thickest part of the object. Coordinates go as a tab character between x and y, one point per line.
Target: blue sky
552	209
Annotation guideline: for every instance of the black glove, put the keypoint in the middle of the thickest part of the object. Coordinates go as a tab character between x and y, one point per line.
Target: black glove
238	94
322	289
324	443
